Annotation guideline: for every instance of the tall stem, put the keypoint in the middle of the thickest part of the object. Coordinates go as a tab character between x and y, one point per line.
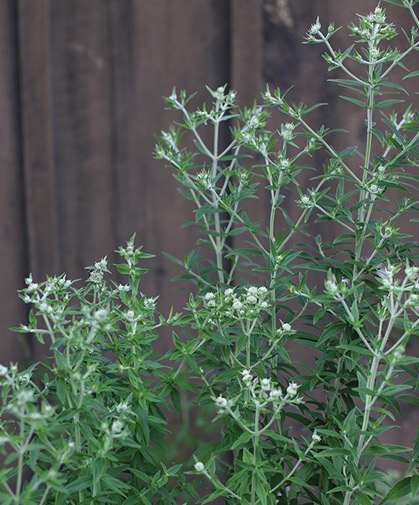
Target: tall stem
255	448
218	247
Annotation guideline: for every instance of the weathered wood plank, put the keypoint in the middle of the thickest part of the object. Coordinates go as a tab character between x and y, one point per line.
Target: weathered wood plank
246	75
80	74
37	137
13	256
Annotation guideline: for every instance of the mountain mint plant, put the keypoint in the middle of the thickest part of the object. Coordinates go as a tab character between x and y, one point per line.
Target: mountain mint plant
89	425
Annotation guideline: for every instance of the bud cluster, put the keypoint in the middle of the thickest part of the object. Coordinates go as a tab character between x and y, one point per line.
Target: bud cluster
232	303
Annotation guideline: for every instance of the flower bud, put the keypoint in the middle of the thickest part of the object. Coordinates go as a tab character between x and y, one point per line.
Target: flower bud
199	466
292	389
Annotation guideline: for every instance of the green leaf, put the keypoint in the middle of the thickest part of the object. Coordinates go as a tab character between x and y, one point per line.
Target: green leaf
412	74
386	103
353	100
172	258
99	467
336	451
394	2
79	484
409	399
362	498
354	310
115	484
134	500
242	440
174	396
346	153
379	136
400	489
375	449
247	457
261	492
123	268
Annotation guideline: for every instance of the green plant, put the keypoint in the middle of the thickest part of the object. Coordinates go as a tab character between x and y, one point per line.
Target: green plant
90	424
295	430
87	426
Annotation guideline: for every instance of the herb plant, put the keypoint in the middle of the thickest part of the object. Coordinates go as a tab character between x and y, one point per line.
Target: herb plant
298	432
88	426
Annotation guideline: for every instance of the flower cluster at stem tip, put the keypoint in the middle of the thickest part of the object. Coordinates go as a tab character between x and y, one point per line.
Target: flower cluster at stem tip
230	303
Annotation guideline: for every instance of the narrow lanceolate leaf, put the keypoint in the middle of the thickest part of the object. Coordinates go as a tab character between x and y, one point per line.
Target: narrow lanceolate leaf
353	100
412	74
400	489
362	498
386	103
394	2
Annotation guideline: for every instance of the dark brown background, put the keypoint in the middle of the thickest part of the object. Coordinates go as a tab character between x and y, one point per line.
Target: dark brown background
81	86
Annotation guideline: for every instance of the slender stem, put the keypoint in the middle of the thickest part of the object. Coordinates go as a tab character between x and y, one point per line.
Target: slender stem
219	484
337	62
194	130
218	248
329	148
255	449
9	490
44	496
22	450
20	465
368	148
358	330
294	469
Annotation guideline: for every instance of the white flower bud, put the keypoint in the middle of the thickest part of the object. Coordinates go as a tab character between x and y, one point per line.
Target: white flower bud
43	307
101	314
221	402
117	427
275	394
412	273
33	286
315	437
315	28
149	304
199	466
292	389
305	200
265	384
331	287
247	379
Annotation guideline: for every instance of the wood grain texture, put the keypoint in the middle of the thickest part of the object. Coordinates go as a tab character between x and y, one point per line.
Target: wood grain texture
81	97
37	137
13	257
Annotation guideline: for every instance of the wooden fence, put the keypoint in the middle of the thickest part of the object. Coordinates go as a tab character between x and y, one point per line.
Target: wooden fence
81	86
